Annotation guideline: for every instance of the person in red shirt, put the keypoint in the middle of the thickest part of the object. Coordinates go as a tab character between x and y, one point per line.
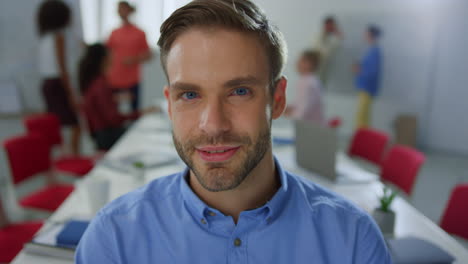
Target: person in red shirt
105	123
129	48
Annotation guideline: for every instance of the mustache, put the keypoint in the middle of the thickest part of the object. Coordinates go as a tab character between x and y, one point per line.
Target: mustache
225	138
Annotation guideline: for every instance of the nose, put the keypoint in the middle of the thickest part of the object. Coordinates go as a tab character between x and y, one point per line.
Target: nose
214	118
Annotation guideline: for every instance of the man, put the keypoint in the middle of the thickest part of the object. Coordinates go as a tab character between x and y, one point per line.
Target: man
234	203
367	74
327	43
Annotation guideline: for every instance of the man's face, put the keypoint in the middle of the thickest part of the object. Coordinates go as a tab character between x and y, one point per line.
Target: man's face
220	104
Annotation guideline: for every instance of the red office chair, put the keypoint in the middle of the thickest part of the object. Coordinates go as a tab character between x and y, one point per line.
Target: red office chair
335	122
14	235
455	217
48	125
29	155
369	144
400	167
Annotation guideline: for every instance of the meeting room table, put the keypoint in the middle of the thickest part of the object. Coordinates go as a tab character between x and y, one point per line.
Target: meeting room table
151	134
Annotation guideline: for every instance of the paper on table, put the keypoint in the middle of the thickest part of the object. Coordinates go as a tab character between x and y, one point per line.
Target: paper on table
148	159
49	236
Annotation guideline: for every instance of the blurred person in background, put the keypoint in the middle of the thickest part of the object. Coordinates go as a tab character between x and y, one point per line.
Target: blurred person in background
308	103
327	43
105	122
53	19
367	76
129	49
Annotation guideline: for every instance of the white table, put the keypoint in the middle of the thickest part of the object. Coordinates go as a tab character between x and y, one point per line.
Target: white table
153	133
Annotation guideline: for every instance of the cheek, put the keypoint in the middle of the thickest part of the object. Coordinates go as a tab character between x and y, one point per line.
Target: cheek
183	122
251	117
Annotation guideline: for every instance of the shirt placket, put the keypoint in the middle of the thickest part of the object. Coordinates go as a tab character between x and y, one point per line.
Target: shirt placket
238	242
237	252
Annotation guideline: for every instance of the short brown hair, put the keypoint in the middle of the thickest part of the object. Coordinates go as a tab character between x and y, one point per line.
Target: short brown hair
52	15
127	5
241	15
312	57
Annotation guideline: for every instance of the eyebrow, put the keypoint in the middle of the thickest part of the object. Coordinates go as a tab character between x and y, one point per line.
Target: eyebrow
184	86
248	80
240	81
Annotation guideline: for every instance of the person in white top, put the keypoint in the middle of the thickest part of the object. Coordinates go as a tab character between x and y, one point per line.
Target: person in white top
308	103
53	19
327	43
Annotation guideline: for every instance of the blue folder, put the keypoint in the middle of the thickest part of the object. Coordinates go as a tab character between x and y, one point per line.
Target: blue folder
283	141
71	233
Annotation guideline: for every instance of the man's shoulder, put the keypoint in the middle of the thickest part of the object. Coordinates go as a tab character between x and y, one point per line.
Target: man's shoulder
320	200
154	193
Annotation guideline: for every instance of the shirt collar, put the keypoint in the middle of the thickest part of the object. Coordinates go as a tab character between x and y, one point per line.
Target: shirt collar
196	206
274	207
278	202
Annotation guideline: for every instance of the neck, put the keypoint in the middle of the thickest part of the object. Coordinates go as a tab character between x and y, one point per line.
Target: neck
256	189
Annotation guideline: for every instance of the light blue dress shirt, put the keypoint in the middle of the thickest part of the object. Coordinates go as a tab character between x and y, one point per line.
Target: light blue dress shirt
165	222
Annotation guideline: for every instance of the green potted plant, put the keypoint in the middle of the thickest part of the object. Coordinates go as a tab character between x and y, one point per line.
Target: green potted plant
383	215
139	171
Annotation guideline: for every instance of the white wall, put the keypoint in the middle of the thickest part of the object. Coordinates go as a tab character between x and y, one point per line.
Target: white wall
18	41
448	107
414	80
153	81
424	59
18	53
18	49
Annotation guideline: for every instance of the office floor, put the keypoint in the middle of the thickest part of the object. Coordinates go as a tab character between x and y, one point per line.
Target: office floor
439	175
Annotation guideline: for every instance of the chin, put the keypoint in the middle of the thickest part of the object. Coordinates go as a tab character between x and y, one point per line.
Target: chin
219	177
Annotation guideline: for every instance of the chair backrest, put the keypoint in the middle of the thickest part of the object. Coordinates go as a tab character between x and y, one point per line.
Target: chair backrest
28	155
369	144
400	167
47	125
455	217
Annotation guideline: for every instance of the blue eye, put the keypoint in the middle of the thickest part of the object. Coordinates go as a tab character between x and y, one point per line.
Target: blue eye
189	95
241	91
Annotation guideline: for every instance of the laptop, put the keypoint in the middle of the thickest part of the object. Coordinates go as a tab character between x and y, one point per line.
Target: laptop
317	152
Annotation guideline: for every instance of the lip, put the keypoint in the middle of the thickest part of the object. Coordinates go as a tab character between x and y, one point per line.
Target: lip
228	152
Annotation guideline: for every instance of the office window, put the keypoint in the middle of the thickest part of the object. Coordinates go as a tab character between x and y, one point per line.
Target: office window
100	17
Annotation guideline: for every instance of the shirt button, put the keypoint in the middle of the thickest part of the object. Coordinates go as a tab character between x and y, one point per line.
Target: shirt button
212	213
203	221
237	242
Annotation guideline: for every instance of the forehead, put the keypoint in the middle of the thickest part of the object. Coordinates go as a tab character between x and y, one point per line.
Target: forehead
215	55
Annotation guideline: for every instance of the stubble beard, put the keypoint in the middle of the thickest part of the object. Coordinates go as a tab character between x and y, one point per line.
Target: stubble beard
224	176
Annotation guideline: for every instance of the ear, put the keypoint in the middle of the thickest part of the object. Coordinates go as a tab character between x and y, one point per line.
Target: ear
279	98
168	99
